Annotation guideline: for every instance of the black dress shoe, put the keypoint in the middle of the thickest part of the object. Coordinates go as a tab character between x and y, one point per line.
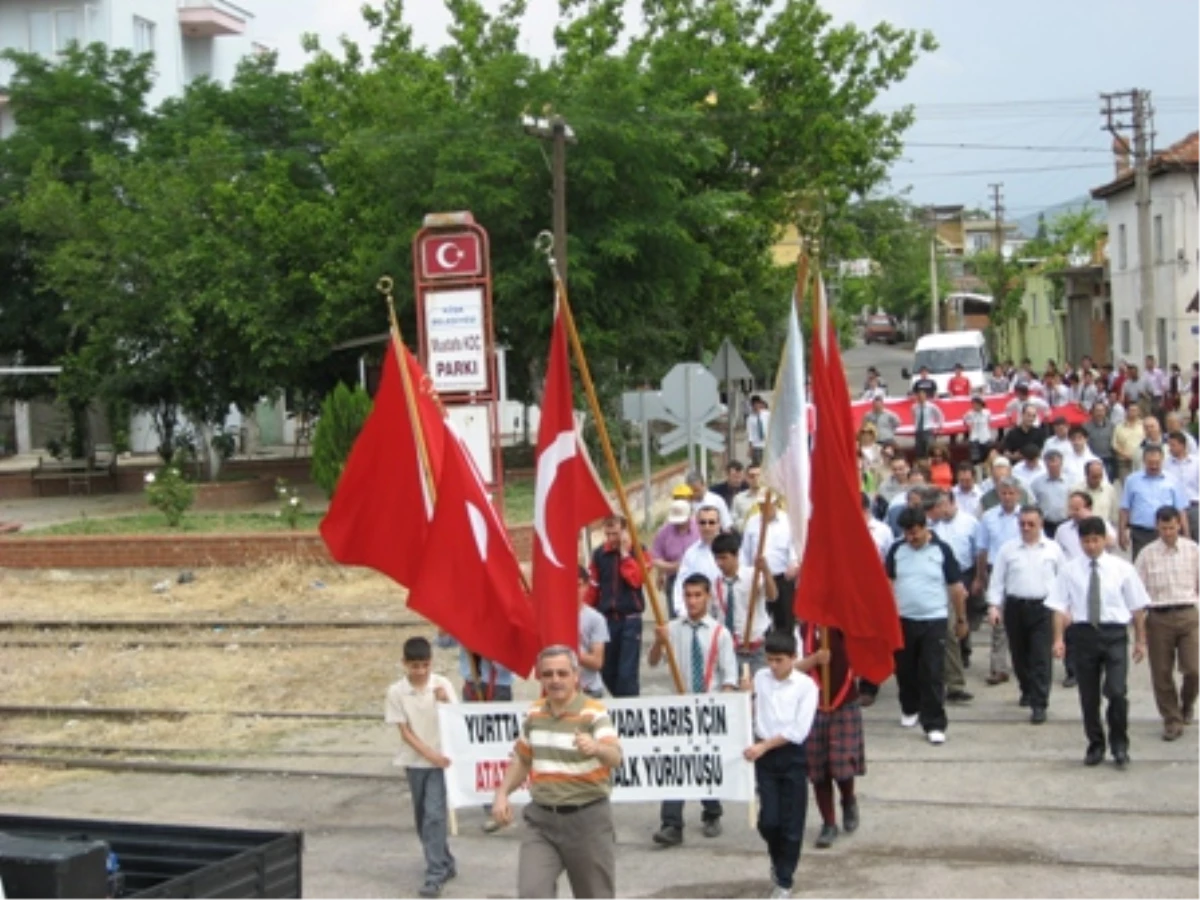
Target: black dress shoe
850	816
668	836
1038	716
959	697
827	836
1069	681
1121	758
1095	756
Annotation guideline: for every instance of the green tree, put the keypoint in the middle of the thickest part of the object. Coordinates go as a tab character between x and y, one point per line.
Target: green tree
88	102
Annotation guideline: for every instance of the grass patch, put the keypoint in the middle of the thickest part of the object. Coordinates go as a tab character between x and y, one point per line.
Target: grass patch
154	523
518	500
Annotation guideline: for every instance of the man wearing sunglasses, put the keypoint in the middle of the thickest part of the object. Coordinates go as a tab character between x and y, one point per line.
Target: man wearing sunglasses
698	557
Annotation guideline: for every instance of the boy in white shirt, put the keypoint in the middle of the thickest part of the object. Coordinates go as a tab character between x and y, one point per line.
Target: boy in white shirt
412	706
785	702
731	601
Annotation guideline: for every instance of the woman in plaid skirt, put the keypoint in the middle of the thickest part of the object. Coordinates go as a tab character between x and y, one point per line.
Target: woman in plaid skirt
836	750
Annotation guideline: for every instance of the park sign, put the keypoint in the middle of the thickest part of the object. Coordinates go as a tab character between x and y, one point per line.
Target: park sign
454	306
674	747
452	282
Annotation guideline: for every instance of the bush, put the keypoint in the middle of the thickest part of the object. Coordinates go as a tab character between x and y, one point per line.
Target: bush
343	413
169	492
291	507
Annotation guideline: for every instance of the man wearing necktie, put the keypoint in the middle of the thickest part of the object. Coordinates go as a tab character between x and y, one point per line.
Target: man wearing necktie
732	602
757	424
927	419
1096	597
703	649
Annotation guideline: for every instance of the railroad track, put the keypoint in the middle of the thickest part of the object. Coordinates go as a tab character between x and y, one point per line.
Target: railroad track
177	643
195	624
150	712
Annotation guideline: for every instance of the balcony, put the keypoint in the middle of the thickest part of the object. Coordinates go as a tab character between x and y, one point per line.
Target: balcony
211	18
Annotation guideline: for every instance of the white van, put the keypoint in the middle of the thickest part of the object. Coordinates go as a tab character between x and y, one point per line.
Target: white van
940	353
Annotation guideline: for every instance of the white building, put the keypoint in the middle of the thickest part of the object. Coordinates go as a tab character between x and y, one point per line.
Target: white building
1174	256
189	38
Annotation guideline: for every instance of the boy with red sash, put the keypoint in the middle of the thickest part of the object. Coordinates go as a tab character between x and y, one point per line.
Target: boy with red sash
836	750
703	649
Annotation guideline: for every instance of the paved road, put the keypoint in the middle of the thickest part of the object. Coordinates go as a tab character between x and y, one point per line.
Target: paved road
889	360
1003	809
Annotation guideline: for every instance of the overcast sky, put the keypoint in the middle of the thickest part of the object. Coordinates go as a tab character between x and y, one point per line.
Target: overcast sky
1014	74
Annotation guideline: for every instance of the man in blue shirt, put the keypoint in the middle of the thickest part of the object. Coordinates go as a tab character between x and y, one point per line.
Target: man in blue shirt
1144	493
923	571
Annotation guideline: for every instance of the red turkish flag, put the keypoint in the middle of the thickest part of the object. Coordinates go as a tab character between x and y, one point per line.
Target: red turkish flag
380	512
842	582
469	583
567	497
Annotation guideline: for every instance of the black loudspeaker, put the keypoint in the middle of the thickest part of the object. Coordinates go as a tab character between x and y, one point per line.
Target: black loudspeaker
47	867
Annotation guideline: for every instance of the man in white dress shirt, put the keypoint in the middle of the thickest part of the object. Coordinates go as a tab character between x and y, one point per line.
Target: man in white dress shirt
1077	455
967	494
1096	598
1181	464
758	425
779	554
702	496
704	652
731	601
699	556
1023	578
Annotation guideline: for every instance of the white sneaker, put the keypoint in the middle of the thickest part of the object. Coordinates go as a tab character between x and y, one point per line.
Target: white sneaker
937	737
909	721
780	893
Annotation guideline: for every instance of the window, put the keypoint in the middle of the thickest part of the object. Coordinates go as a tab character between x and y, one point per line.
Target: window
981	242
143	35
66	29
1122	259
942	360
1124	333
1158	239
52	32
41	33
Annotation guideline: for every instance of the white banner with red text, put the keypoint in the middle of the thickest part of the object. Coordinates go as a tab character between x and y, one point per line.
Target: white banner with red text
677	747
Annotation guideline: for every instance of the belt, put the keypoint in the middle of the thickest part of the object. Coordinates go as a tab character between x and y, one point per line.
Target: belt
1141	528
1009	598
568	809
1172	607
752	647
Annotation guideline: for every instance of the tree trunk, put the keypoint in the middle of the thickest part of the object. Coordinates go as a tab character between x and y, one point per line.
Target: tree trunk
208	452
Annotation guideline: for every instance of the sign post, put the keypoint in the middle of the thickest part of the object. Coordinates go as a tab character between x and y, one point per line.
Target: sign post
456	334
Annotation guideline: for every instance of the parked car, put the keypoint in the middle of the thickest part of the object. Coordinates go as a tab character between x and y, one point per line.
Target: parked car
881	329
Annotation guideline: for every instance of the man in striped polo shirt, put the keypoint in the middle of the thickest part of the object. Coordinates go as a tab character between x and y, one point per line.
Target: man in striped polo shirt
567	749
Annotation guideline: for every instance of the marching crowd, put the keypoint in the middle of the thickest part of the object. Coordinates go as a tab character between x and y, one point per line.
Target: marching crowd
1022	533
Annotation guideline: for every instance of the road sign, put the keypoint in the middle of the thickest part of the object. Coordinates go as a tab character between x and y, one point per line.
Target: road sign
728	364
690	400
679	438
638	406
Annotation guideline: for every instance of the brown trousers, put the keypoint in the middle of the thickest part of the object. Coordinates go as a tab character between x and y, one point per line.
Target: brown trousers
1174	635
583	844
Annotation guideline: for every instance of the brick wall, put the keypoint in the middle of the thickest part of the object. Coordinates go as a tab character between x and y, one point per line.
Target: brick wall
193	551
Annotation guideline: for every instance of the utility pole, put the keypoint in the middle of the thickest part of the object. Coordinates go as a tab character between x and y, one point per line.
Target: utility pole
933	271
998	239
1136	103
559	133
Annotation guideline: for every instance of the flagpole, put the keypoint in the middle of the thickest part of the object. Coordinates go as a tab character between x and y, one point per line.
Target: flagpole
756	580
384	286
819	335
614	471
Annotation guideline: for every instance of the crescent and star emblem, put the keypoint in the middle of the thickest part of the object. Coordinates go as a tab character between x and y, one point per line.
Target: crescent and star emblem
563	448
443	253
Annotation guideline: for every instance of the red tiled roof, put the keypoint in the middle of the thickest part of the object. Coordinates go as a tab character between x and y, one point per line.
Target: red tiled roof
1184	154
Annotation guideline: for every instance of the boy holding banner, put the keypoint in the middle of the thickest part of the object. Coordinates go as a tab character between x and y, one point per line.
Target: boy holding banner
731	606
703	648
785	702
412	706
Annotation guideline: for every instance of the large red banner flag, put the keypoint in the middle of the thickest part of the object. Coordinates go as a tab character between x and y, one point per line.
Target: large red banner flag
567	497
380	513
470	583
842	583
